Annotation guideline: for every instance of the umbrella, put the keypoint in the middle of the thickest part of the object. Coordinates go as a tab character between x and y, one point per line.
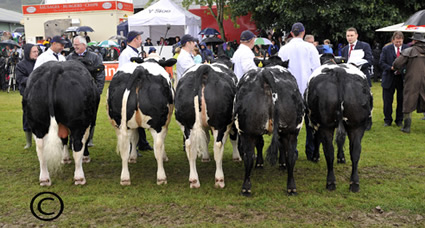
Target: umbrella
417	19
117	37
213	39
262	41
209	31
108	43
92	43
16	34
71	29
19	29
391	28
84	29
9	42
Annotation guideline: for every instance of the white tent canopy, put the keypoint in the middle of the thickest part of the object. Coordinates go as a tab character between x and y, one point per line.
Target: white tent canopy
153	21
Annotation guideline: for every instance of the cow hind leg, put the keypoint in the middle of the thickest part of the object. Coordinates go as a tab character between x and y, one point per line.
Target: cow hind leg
65	153
158	140
78	154
220	137
259	146
317	138
289	145
282	157
340	140
191	152
205	154
124	150
44	172
247	147
234	140
327	135
355	136
134	137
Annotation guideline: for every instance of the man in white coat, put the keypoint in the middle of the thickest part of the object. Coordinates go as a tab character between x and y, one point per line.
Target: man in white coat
53	53
134	42
303	60
244	56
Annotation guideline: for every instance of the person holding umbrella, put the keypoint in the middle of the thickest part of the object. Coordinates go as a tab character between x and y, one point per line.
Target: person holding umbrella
23	71
413	59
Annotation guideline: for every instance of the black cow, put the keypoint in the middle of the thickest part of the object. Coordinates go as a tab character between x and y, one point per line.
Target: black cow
141	95
338	93
204	101
60	99
268	101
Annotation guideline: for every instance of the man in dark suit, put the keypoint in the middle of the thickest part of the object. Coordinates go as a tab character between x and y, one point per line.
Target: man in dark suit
354	44
392	80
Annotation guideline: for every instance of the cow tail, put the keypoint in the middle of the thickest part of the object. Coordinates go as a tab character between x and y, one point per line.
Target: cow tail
340	90
52	146
273	150
123	137
199	136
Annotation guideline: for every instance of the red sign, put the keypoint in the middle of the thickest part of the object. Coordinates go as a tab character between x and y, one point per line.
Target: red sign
77	7
110	70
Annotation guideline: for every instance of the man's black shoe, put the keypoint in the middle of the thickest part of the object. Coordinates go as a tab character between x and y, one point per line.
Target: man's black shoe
147	147
387	124
399	124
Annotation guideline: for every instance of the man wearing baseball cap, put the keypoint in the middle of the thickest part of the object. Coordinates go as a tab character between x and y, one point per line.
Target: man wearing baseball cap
243	58
185	59
53	53
303	60
134	41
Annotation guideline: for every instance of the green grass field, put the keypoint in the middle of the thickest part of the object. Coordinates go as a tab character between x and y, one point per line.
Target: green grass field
391	169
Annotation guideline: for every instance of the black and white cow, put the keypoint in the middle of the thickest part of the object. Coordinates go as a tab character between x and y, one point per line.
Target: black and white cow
268	101
60	100
141	95
339	93
204	102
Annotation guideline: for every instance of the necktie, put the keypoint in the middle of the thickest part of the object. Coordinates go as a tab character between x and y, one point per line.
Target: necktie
56	55
398	51
351	48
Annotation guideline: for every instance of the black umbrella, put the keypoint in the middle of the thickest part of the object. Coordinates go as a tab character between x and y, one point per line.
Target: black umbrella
9	42
416	19
19	30
213	39
209	32
84	29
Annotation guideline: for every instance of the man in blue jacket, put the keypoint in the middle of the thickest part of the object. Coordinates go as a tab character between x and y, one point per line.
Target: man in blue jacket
392	79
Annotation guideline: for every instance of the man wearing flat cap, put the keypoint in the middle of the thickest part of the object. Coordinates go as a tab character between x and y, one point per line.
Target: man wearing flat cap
134	42
303	60
413	59
243	58
53	53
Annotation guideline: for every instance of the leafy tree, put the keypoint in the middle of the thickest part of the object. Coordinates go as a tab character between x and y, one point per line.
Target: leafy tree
327	19
220	15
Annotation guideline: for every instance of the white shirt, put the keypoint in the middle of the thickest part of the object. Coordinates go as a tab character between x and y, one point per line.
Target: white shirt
184	61
303	60
46	57
243	60
126	55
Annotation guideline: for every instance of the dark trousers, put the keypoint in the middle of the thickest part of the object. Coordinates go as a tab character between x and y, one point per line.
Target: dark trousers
309	141
143	143
388	97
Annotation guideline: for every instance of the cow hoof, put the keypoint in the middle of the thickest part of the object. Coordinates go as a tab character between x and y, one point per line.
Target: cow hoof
237	159
205	160
341	160
219	183
259	166
125	182
132	160
315	160
194	184
292	192
80	181
282	167
86	159
331	186
45	182
246	192
66	161
161	181
354	187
